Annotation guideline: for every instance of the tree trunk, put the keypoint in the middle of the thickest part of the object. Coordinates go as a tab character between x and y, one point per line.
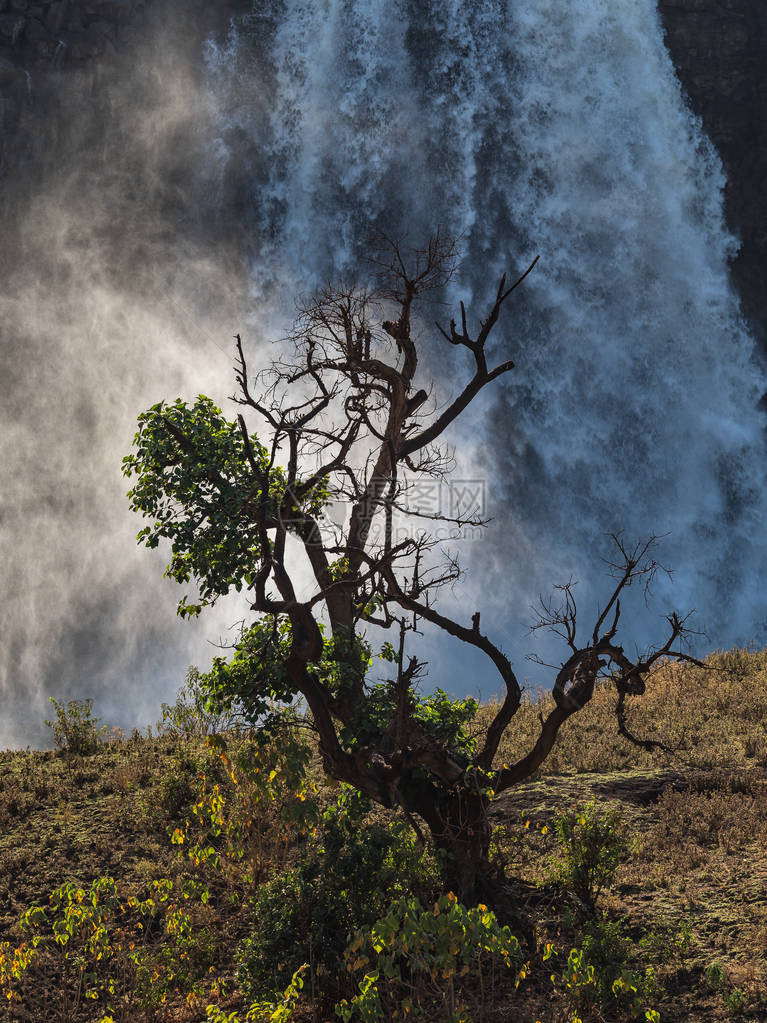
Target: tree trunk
460	827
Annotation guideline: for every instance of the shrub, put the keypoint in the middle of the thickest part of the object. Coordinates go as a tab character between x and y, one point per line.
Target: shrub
191	716
735	1000
412	957
714	975
592	844
254	805
343	881
75	730
273	1011
180	784
597	978
122	953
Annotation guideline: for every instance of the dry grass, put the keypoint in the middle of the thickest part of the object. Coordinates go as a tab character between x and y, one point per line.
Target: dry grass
698	816
697	819
712	717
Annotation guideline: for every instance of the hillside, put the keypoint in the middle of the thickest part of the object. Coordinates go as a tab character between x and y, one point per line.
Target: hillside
690	896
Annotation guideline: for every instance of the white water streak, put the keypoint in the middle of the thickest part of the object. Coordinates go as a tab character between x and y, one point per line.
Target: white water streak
556	128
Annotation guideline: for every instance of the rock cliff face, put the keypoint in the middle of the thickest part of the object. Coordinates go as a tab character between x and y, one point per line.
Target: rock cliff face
47	43
719	48
39	38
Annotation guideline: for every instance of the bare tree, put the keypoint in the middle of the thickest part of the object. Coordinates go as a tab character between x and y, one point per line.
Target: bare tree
343	418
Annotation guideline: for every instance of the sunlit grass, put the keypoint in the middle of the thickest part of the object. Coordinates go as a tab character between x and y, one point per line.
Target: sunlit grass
693	892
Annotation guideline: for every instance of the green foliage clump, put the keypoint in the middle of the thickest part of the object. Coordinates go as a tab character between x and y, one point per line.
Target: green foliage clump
734	999
255	686
75	729
194	479
343	881
444	720
592	845
598	979
191	716
255	681
197	492
412	957
279	1010
94	941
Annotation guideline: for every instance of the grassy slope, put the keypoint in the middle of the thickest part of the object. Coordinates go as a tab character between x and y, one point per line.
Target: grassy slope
698	818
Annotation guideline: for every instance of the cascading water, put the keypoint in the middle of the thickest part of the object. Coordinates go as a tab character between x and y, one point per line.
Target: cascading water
556	128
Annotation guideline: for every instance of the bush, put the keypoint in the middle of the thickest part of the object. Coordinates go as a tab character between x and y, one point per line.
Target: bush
179	787
254	803
734	999
412	957
592	844
75	730
191	716
273	1011
598	979
120	953
343	882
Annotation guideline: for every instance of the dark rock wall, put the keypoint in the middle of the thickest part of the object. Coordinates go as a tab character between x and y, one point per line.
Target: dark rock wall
719	48
46	44
40	39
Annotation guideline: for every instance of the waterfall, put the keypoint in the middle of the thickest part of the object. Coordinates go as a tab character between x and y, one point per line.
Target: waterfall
535	127
554	128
